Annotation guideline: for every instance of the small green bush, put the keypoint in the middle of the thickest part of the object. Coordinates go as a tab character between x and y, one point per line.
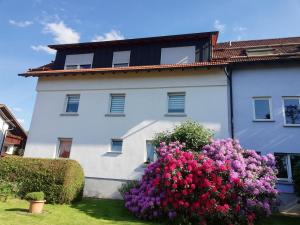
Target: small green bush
62	180
125	187
296	176
193	134
35	196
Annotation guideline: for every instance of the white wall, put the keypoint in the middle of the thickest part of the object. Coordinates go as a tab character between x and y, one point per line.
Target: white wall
3	127
145	109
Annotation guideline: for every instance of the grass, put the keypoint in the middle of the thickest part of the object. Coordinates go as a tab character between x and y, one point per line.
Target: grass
90	212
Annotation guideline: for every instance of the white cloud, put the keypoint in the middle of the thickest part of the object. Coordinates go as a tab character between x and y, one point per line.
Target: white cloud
17	109
239	28
20	120
109	36
43	48
61	33
219	26
22	24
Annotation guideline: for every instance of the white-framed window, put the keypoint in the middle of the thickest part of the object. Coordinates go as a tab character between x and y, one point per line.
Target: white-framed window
117	103
121	59
79	61
176	102
178	55
286	163
64	147
291	110
116	145
72	103
151	154
262	109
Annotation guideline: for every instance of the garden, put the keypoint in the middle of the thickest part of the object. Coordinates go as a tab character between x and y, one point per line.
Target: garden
194	180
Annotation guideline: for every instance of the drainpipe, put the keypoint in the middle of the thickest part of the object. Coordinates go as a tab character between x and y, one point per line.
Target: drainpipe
228	72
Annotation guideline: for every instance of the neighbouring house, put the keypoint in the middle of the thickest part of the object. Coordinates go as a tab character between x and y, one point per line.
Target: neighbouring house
12	135
265	77
102	102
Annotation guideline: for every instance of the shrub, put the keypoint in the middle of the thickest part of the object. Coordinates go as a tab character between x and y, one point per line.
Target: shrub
35	196
223	184
127	186
192	134
296	176
61	180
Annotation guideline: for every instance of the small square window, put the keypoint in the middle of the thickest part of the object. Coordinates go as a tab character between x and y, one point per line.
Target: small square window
262	109
72	103
117	103
116	145
176	102
64	149
292	110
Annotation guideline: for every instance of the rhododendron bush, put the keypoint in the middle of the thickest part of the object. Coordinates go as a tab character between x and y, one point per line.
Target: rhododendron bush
224	183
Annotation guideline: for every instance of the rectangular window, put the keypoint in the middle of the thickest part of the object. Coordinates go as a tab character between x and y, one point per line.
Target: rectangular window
262	108
286	164
72	103
121	59
117	103
151	154
116	145
178	55
176	102
64	149
292	110
79	61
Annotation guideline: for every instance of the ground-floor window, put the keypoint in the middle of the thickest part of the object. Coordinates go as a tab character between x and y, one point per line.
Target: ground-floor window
151	154
286	163
64	148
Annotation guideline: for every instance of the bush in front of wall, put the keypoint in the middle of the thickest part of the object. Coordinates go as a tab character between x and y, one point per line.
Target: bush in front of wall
62	180
127	186
192	134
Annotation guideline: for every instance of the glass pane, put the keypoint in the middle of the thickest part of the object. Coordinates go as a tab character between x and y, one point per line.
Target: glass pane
85	66
295	158
281	164
121	65
117	103
116	146
176	103
71	67
262	109
292	111
151	154
65	148
72	103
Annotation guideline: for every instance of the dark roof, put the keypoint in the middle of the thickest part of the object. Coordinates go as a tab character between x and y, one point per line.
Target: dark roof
10	118
192	36
284	49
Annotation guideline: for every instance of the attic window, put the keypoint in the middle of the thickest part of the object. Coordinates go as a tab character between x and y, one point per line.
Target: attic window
260	51
79	61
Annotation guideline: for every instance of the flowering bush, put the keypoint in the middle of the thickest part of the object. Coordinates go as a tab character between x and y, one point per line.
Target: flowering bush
224	183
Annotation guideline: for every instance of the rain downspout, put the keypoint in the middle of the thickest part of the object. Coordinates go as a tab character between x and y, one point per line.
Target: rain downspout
228	72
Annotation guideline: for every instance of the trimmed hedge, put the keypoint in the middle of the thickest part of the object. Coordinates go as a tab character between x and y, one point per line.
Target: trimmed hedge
62	180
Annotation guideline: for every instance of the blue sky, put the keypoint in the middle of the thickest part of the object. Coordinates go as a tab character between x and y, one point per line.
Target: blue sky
28	26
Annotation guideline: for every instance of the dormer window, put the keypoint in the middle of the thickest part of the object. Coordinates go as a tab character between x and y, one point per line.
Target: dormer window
178	55
260	51
79	61
121	59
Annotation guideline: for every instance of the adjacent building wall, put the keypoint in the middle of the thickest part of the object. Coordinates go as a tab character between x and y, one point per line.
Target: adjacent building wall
145	109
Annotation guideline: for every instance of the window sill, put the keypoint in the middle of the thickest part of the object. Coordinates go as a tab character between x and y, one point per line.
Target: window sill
291	125
69	114
175	115
114	153
263	120
115	115
283	181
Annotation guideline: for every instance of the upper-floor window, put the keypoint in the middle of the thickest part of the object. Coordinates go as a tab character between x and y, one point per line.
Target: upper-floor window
178	55
176	102
72	103
292	111
117	103
64	148
121	59
262	108
79	61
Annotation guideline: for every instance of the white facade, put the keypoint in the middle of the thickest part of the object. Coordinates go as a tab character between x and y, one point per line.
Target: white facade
3	128
145	112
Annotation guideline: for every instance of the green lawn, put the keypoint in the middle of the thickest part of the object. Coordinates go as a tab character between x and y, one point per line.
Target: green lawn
89	212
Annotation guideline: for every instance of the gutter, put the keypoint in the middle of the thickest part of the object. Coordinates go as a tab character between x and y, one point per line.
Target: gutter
228	73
